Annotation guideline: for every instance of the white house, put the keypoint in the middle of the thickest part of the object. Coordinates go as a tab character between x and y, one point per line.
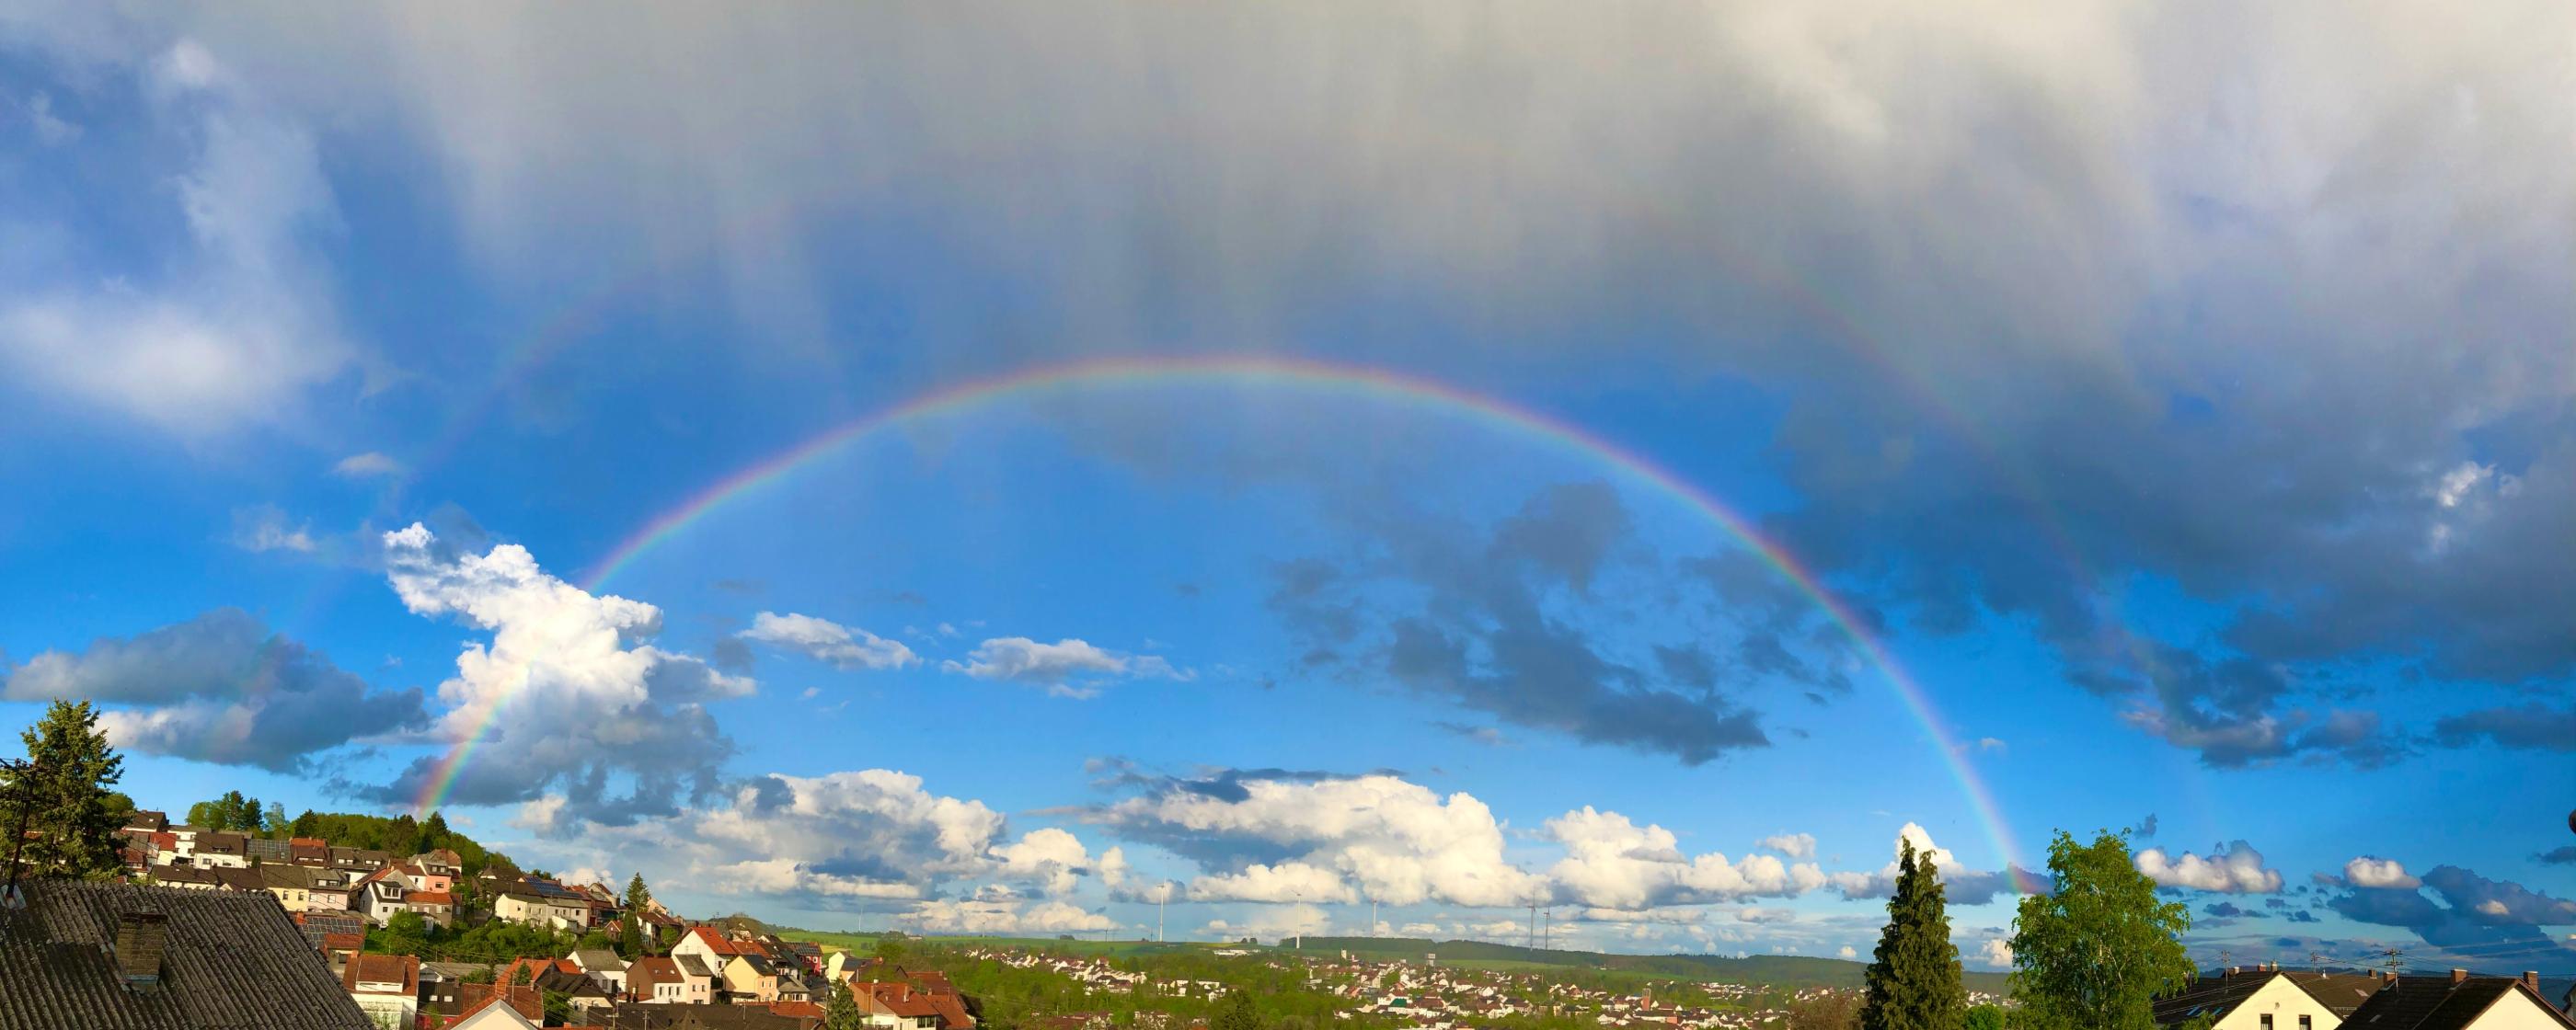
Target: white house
2461	1002
386	988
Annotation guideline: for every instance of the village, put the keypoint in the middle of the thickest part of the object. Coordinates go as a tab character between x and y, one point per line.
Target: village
213	927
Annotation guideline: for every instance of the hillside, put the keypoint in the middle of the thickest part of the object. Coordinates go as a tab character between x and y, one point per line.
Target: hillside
1770	970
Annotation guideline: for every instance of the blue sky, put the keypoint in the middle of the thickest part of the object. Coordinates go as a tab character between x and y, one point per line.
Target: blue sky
2193	425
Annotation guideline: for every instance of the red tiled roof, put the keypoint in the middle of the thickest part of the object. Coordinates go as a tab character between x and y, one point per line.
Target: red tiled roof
402	969
797	1009
347	941
430	898
472	998
715	942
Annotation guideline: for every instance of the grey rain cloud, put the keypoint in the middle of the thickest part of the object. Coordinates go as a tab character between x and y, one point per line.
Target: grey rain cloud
219	688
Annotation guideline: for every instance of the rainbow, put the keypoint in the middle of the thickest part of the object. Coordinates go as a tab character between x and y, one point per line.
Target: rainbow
1356	379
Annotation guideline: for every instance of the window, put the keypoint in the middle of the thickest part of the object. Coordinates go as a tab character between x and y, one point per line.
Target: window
2267	1021
2304	1023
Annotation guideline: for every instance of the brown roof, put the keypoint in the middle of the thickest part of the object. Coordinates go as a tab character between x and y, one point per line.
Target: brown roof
401	969
472	998
61	975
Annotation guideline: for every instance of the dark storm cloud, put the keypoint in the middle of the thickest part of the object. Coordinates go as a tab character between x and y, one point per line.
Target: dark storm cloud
2236	713
2050	312
2562	855
219	688
1502	622
2532	726
2498	920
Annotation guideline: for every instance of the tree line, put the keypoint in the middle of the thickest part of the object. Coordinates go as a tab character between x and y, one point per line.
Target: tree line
2093	952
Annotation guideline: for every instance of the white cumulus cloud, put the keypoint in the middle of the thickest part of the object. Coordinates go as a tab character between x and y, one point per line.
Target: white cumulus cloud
2235	868
826	641
1066	668
2367	871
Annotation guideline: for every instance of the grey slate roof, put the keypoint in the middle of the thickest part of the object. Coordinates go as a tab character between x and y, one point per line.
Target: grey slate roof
2435	1003
230	961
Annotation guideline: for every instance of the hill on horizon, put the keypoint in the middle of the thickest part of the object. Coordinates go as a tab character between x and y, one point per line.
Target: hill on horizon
1769	970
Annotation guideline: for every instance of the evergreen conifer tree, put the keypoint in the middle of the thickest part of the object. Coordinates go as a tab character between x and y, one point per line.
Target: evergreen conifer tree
843	1013
66	797
1913	981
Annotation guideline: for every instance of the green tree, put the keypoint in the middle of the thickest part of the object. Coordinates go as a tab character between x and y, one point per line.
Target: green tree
890	949
638	896
1985	1017
402	837
65	796
275	824
843	1011
2095	952
1913	980
233	811
1237	1013
434	833
307	825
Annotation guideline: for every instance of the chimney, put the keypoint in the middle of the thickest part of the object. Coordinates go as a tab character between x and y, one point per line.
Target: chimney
2458	976
2531	979
137	951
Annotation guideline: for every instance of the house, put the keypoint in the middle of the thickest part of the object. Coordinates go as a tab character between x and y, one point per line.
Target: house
581	992
436	906
2265	998
147	820
329	893
440	862
494	1015
671	980
387	987
844	966
442	984
363	859
475	999
708	1017
379	897
106	954
312	851
339	949
523	903
291	884
708	945
897	1006
318	925
215	849
421	878
750	977
2460	1002
262	849
603	966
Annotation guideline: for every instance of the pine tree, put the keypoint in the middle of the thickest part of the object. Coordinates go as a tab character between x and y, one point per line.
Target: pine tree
1913	980
843	1013
434	833
638	896
66	799
1238	1013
